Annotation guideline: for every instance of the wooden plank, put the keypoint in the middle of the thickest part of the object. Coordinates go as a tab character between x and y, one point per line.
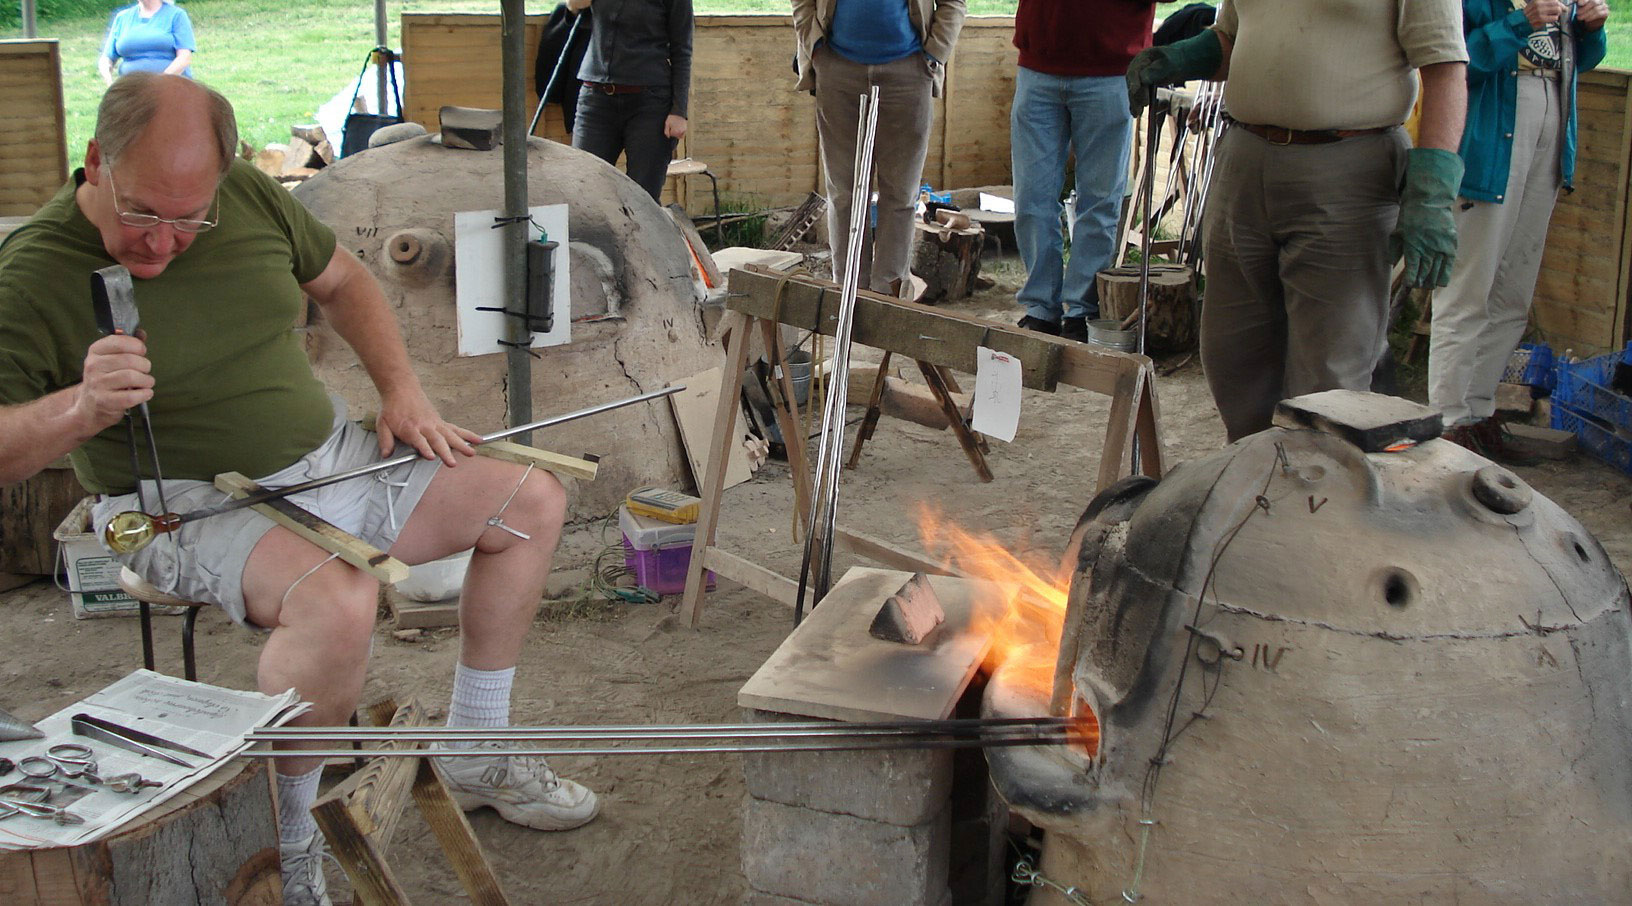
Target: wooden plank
892	555
692	408
712	483
406	614
751	575
447	821
557	463
830	666
325	535
919	331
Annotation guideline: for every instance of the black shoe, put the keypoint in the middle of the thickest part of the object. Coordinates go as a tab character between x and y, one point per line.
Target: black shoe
1038	324
1074	329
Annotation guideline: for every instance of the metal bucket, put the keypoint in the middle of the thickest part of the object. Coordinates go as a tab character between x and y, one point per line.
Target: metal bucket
1108	332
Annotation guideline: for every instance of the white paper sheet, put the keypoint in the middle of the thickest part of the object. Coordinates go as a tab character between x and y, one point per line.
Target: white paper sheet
997	394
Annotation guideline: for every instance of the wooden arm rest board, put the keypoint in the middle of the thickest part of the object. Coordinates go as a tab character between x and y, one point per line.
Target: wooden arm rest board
561	465
325	535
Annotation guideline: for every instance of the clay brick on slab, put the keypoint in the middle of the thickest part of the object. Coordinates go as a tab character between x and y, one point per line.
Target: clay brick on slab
904	787
838	860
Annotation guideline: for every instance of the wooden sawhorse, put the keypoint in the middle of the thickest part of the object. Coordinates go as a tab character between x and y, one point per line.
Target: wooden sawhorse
764	299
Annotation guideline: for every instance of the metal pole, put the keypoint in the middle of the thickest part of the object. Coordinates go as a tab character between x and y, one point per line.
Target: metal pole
999	726
519	373
380	64
28	19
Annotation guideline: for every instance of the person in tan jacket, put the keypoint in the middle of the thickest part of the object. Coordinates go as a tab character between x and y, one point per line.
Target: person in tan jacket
845	48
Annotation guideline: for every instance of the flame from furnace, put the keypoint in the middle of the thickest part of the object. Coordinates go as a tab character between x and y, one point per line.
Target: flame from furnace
1026	628
1034	593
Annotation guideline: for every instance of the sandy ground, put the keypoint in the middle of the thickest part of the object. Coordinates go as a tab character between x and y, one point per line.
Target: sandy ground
669	828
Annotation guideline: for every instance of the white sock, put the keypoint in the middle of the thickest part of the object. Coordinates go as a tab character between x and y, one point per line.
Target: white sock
296	793
481	698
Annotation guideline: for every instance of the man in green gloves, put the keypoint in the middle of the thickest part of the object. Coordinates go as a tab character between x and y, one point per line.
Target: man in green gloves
1316	190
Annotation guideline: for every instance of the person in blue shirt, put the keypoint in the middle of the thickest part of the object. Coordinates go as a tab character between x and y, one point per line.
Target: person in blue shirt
846	47
151	36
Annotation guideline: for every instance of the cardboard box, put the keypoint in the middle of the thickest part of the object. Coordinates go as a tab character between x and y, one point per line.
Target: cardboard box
93	574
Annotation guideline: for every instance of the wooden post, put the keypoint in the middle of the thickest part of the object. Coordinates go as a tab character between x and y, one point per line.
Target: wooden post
713	484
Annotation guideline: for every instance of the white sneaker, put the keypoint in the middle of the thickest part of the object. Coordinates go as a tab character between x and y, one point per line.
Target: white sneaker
303	881
521	788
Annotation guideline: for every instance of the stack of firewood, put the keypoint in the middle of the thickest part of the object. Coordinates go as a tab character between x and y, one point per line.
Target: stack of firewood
307	151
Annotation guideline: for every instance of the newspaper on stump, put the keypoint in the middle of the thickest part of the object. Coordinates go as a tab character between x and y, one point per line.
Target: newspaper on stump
209	720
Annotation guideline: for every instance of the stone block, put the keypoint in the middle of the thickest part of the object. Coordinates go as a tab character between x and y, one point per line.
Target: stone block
1533	440
840	860
903	787
1514	400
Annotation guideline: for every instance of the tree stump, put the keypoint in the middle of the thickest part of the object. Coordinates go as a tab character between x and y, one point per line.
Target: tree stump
215	843
1170	323
29	512
947	259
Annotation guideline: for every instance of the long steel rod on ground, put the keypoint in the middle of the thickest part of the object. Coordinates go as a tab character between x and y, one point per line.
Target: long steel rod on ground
393	462
860	745
816	564
1001	726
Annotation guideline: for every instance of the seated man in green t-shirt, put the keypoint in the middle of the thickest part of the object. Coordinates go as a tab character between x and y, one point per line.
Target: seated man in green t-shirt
223	258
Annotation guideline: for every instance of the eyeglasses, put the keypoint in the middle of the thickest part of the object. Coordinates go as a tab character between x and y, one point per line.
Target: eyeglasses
149	221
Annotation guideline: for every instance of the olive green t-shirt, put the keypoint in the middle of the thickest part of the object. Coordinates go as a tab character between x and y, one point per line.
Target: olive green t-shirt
233	389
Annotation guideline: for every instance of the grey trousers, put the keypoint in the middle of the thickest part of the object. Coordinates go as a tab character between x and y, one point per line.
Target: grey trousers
1297	269
1480	316
904	96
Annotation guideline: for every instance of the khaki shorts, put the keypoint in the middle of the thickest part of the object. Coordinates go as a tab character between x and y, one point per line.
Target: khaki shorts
204	561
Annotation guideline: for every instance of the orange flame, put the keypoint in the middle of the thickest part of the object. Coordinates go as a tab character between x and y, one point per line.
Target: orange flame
1034	593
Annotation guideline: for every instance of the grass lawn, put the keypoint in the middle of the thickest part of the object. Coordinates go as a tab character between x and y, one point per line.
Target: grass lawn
279	60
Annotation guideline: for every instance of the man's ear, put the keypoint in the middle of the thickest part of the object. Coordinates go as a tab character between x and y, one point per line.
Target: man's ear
93	163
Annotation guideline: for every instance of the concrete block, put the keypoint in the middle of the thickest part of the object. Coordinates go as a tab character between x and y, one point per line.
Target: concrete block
1514	400
904	787
1533	440
839	860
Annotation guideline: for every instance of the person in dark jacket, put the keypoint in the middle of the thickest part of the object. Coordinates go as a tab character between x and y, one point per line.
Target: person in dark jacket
1518	150
1070	96
561	49
636	85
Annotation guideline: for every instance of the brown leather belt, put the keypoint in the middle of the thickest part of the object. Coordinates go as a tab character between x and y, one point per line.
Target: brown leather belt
609	88
1280	135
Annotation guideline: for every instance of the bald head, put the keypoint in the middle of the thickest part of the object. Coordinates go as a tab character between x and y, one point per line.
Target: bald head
168	114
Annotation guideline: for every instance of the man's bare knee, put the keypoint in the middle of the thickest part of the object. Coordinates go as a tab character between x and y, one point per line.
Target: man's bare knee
339	598
535	511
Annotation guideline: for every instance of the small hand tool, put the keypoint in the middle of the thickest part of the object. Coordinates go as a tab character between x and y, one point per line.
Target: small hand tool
129	532
114	298
70	759
133	740
130	783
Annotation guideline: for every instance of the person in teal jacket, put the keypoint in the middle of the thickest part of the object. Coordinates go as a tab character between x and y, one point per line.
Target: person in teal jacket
1518	150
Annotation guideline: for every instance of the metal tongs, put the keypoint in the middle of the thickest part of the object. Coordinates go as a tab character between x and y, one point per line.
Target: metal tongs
107	731
114	298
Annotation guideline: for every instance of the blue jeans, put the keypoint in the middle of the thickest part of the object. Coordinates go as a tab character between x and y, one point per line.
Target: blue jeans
1051	116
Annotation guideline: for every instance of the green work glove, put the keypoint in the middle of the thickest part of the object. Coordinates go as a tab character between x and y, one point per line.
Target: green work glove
1170	64
1426	231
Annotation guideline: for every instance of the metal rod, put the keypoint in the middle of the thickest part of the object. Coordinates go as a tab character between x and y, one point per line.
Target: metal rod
857	746
1000	726
518	385
29	30
276	493
549	87
815	568
381	61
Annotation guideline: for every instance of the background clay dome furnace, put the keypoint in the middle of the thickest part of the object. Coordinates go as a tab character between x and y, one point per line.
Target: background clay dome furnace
634	301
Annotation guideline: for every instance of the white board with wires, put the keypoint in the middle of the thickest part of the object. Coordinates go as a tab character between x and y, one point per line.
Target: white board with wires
479	279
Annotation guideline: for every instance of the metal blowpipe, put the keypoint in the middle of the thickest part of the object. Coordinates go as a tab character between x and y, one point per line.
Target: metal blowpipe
695	738
131	531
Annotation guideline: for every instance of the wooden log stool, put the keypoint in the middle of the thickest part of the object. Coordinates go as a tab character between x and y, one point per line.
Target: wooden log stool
1172	318
216	843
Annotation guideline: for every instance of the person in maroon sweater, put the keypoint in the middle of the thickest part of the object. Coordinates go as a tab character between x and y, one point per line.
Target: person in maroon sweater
1070	96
